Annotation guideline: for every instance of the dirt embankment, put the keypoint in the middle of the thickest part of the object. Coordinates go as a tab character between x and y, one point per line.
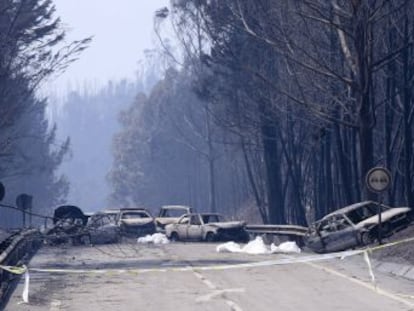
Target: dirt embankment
400	253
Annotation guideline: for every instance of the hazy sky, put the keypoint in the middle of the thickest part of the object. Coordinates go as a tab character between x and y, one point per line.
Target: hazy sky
122	29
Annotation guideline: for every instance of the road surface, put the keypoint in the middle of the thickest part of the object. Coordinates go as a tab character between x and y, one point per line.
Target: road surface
148	277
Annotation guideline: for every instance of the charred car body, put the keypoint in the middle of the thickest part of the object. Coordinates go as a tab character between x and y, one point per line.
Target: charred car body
69	224
102	227
206	227
135	222
355	225
170	214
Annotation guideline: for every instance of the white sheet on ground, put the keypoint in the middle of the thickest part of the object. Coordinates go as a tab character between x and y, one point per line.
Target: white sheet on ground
229	247
258	247
285	248
156	238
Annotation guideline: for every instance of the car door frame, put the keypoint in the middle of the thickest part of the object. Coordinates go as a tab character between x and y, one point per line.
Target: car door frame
182	227
195	228
340	238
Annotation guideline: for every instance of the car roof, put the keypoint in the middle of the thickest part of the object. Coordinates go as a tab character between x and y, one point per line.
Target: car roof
138	209
348	208
175	207
133	209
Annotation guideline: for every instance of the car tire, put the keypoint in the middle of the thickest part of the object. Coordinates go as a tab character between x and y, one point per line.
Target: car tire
174	237
410	218
210	237
367	238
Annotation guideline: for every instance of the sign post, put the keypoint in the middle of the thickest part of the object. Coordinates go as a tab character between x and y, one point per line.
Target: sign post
24	203
378	180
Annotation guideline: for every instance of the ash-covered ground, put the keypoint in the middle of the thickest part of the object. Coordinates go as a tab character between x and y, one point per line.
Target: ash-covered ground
401	253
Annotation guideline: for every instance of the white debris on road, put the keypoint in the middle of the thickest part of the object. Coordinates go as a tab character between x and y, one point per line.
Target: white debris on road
285	248
156	238
258	247
229	247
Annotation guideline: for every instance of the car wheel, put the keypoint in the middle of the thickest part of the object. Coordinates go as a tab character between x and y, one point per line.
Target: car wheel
367	238
174	237
210	237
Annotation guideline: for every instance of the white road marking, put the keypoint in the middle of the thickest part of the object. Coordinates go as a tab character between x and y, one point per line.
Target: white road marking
220	292
374	288
217	292
266	263
233	306
204	280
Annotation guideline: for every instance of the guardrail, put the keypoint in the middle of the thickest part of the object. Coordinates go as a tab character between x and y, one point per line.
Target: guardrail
278	229
280	232
20	247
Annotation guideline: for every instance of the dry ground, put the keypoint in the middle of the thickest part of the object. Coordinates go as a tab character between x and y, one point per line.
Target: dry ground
400	253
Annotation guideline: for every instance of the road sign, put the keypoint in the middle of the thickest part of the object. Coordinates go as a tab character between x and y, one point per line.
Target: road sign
378	179
24	203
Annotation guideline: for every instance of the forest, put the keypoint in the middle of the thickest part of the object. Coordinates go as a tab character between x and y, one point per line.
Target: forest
266	110
273	110
32	49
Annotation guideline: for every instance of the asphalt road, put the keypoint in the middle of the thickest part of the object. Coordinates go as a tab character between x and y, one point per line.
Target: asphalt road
148	277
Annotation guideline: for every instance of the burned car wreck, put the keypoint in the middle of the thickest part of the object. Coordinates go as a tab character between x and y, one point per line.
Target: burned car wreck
102	227
135	222
170	214
356	225
206	227
69	224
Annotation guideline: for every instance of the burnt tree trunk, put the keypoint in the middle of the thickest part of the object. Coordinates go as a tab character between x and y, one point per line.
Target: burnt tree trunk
408	148
363	48
272	157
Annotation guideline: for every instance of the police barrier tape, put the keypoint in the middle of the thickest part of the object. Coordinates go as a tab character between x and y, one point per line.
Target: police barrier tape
14	269
19	271
284	261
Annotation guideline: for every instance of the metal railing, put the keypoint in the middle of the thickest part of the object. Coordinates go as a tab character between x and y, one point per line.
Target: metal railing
277	229
19	248
273	233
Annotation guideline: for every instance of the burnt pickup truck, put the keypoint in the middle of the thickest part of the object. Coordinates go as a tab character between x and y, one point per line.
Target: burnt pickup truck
208	227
